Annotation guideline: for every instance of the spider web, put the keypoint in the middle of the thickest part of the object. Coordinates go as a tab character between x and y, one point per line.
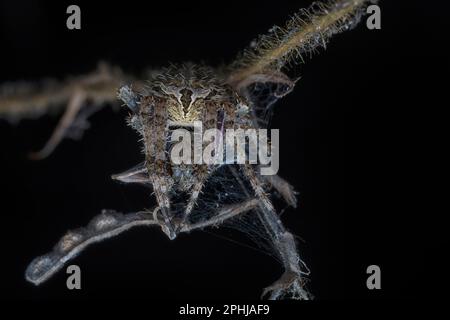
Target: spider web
223	189
264	95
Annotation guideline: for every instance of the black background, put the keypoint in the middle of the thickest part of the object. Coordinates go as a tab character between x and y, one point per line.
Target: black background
353	134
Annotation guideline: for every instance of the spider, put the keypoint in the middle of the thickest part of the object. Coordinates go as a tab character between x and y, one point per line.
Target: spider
238	96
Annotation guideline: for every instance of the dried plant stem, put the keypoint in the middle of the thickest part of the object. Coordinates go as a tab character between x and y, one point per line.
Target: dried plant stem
110	224
303	33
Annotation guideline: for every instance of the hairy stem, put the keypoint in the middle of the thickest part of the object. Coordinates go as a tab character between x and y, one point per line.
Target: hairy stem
110	224
303	33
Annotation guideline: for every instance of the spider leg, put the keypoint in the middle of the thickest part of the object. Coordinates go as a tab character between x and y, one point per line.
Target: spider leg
154	170
161	189
137	174
213	117
153	114
284	188
291	283
203	175
257	186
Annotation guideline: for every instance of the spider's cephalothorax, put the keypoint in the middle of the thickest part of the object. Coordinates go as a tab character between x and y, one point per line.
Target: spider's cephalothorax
178	97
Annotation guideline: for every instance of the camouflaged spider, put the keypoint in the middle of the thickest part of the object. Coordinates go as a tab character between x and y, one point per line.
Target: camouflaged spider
176	97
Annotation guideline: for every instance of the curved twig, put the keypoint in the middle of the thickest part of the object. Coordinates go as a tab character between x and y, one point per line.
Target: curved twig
107	225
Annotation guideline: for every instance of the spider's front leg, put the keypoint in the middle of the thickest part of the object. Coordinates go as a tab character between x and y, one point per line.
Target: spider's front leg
150	114
204	171
292	283
156	163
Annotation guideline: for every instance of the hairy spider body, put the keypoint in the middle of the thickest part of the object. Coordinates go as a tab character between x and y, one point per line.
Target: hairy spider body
239	96
177	97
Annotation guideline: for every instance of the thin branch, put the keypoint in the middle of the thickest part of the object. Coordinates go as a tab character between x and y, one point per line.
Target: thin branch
106	225
20	100
110	224
74	106
302	34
